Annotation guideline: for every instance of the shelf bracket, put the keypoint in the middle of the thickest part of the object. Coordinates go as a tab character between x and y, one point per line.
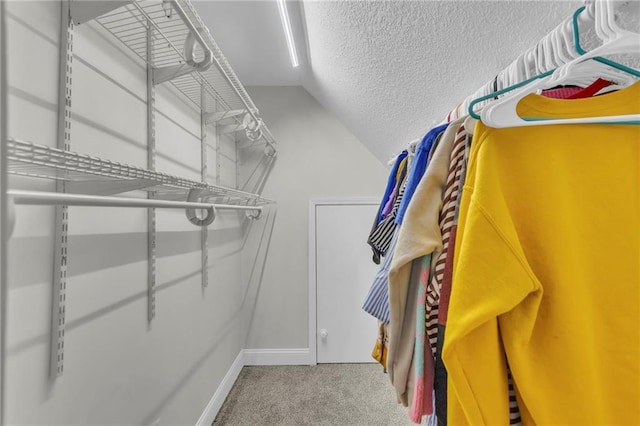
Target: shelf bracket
109	188
83	10
164	74
232	128
214	117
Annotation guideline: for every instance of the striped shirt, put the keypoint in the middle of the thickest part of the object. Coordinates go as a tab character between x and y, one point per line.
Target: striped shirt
380	238
433	311
377	300
452	190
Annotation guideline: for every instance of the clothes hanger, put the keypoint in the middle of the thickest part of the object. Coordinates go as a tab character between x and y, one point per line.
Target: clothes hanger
610	33
547	60
518	69
502	113
570	34
520	72
615	72
524	72
562	44
557	49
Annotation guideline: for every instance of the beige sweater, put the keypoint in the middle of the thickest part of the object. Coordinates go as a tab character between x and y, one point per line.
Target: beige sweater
419	235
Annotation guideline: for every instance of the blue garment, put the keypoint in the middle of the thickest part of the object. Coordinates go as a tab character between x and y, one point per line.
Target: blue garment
418	167
391	183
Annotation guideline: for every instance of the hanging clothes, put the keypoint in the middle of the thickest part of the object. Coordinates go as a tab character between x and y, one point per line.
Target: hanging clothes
400	174
382	234
379	352
422	402
427	321
377	300
377	238
438	308
542	251
376	303
418	167
419	235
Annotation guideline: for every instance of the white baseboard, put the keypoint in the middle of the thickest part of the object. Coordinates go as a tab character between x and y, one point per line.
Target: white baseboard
210	413
276	356
250	357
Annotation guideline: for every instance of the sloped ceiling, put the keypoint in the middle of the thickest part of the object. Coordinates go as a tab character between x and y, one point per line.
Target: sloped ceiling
389	70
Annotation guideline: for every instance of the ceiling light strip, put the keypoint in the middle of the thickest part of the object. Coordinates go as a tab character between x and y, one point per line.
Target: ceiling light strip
286	24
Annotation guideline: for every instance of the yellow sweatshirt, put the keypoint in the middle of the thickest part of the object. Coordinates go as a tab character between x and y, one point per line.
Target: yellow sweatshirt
547	270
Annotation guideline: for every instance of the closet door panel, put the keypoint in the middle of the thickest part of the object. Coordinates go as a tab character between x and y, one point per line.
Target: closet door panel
345	271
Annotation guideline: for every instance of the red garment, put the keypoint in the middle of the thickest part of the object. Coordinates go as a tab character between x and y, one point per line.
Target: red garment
574	92
445	290
561	92
591	90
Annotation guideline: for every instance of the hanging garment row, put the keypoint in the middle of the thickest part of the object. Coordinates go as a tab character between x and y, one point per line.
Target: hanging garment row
509	288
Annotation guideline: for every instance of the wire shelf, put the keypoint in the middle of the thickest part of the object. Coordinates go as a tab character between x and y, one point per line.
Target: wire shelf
33	160
130	23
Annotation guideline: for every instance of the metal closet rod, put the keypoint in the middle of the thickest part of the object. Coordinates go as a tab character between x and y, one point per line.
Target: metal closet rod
56	198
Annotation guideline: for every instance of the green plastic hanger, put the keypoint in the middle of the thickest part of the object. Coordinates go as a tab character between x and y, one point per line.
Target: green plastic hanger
579	49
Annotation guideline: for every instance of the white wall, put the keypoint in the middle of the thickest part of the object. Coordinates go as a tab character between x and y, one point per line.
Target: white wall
317	158
3	198
118	368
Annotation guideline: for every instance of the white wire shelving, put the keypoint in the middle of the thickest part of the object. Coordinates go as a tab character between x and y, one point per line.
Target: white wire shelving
180	60
177	48
84	174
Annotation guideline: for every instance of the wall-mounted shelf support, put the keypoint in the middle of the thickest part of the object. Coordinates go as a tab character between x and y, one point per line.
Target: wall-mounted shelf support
175	48
214	117
151	165
108	188
83	10
204	169
232	128
59	279
180	51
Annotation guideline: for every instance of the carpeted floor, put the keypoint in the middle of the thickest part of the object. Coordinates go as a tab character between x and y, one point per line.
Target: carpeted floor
327	394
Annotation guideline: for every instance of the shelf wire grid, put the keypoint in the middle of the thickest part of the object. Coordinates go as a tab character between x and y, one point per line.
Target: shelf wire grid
129	25
33	160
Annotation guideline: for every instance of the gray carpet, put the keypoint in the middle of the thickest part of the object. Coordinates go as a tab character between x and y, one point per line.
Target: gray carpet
327	394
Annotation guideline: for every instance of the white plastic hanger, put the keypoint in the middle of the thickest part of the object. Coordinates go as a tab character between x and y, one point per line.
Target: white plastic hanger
502	113
523	69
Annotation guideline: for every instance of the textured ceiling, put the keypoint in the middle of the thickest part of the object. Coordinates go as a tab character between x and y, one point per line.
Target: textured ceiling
389	70
392	70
